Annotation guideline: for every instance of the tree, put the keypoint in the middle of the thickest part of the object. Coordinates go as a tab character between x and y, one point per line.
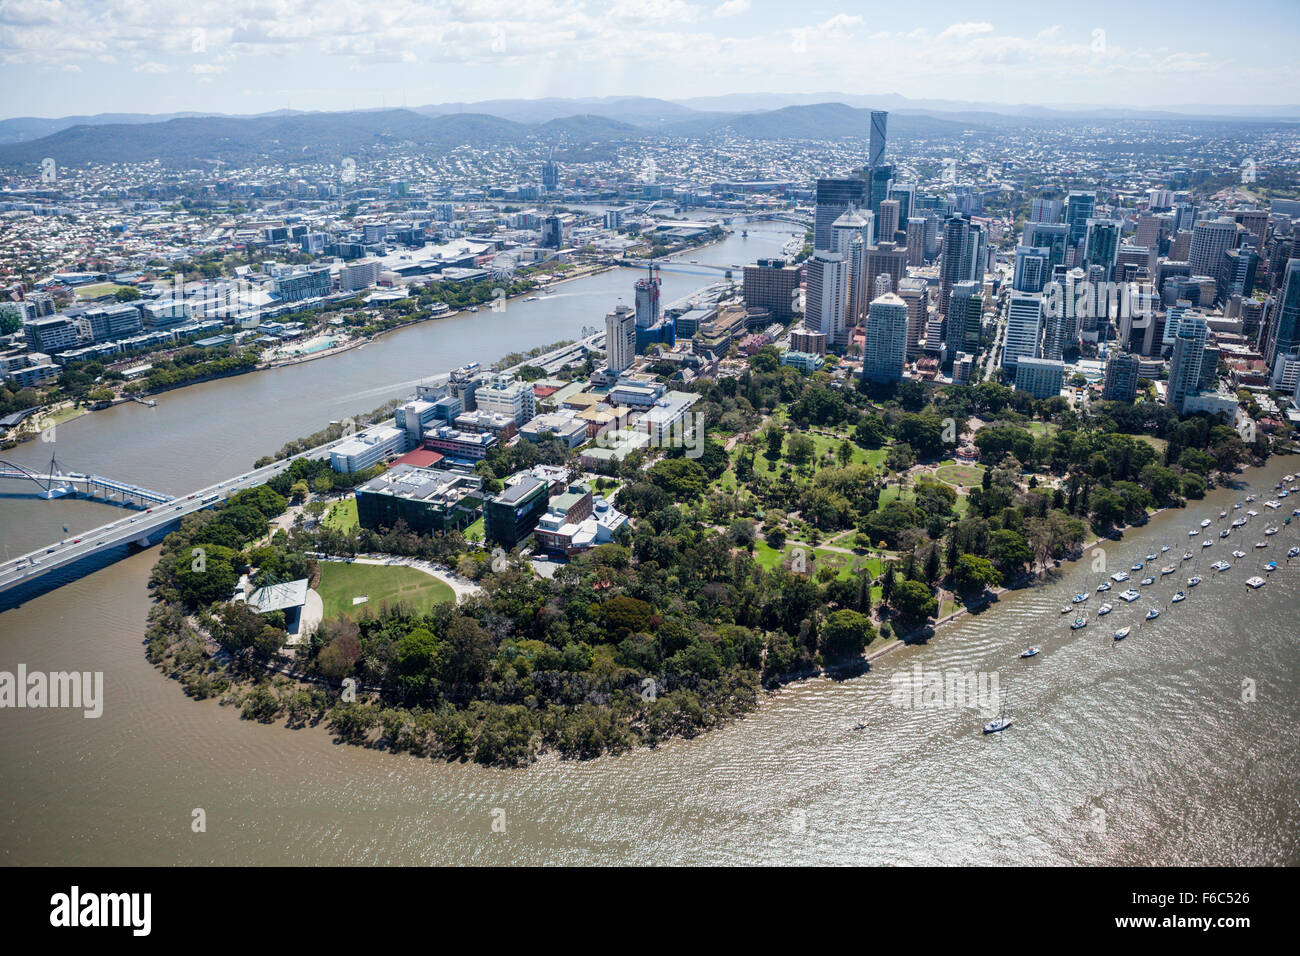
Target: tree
845	633
913	602
974	574
682	478
1009	552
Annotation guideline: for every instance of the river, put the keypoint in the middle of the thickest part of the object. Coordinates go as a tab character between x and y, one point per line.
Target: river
1177	745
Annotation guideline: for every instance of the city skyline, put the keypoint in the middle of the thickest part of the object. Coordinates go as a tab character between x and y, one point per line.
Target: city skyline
65	57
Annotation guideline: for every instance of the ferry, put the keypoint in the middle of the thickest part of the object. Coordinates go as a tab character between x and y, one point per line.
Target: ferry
1104	586
1146	582
1104	609
1153	614
1255	583
1130	595
1029	652
1122	632
1119	577
1239	554
1194	580
1179	596
1221	565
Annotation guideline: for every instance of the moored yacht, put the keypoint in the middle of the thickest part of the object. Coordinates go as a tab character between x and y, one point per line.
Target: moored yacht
1194	580
1153	613
1030	652
1104	609
1255	583
1179	596
1238	554
1130	595
1221	565
1123	632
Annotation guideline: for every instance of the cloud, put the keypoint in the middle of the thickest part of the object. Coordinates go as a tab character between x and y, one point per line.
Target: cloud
731	8
152	66
959	31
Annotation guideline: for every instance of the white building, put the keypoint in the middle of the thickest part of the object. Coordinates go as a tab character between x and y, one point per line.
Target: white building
884	348
826	308
368	448
504	396
1040	377
620	338
1024	324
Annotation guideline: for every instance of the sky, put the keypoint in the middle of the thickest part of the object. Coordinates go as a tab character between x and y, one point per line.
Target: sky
66	57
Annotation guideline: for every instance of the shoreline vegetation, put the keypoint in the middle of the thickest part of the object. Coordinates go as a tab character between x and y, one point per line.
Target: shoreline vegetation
710	595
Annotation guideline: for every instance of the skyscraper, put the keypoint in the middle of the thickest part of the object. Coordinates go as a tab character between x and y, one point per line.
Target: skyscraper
1284	327
1079	208
851	235
834	197
1120	384
1101	246
965	317
888	221
620	338
1185	365
876	151
1045	210
648	310
884	347
1032	268
1210	240
1053	236
916	241
828	296
1024	325
913	292
962	258
885	258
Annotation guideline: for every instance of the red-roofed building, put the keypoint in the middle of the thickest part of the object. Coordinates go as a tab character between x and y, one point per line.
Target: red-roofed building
544	391
420	458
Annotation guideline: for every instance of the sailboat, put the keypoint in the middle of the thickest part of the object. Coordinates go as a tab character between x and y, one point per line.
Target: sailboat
1002	721
1078	622
1179	596
1153	614
1123	632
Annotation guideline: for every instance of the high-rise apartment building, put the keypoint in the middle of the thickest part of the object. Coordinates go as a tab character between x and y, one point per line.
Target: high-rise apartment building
834	197
620	338
884	347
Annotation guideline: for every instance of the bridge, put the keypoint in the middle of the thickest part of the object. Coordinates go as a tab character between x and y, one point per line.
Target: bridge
678	265
78	554
54	482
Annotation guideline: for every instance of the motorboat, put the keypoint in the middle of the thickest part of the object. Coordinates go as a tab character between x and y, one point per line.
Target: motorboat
1270	567
1179	596
1164	548
1293	552
1147	582
1238	554
1119	577
1187	555
1194	580
1104	609
1255	583
1151	557
1030	652
1079	598
1130	595
1137	567
1223	514
1221	565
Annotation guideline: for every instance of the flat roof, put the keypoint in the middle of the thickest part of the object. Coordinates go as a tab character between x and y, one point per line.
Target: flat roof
279	597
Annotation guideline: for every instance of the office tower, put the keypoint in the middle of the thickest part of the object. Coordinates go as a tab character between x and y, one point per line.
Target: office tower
1040	377
620	338
1185	365
1252	318
916	241
1255	222
1237	273
962	367
552	233
1024	323
1284	328
883	285
550	175
1121	381
1185	216
1079	208
913	293
1209	368
888	219
772	284
851	235
965	317
1210	240
828	296
876	152
884	347
932	224
1148	231
878	185
1045	210
834	197
905	193
1159	198
1060	331
1180	246
1101	246
886	257
1032	268
648	309
1053	236
955	258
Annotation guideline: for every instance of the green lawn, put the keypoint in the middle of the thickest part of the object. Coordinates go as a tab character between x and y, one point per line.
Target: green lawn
767	557
342	515
955	474
380	584
98	289
475	531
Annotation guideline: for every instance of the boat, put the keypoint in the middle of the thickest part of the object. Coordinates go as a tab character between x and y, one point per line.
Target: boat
473	308
1205	522
1078	622
1237	506
1206	544
1239	522
1253	513
1146	582
1119	577
1187	556
1295	513
1261	544
1194	580
1270	531
1194	532
1130	595
1137	567
1293	552
1104	609
1238	554
1250	497
1153	613
1030	652
1270	567
1221	565
1255	583
1167	569
860	725
1222	515
1065	609
531	298
1080	597
1151	557
1178	596
1002	721
1164	548
1224	533
1123	632
1104	586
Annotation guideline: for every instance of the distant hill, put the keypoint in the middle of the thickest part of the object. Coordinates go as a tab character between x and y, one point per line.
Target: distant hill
819	121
